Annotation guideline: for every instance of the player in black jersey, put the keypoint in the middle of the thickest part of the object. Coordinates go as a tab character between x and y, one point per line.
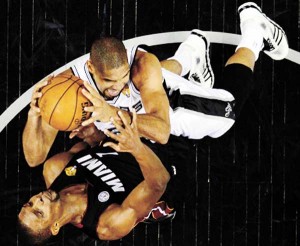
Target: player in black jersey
103	192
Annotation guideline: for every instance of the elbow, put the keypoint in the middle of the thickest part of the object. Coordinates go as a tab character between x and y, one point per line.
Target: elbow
106	235
165	135
109	233
167	178
32	164
163	139
34	161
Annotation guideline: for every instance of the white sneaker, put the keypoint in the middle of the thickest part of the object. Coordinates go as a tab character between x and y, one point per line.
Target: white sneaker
275	41
201	71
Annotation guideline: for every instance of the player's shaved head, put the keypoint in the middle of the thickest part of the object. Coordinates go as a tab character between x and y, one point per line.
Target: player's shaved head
108	53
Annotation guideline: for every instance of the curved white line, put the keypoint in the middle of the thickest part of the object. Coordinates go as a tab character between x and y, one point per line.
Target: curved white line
153	39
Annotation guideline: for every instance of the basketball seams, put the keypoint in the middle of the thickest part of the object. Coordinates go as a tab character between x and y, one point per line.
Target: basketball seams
75	111
75	108
80	84
67	79
45	92
50	118
61	104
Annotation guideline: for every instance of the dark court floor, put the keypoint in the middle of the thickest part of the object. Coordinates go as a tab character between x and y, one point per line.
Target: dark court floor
240	189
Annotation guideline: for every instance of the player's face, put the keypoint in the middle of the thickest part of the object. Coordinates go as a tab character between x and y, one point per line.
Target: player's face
112	81
39	211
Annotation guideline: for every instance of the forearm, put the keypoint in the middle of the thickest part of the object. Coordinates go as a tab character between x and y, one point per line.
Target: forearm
36	142
153	128
118	220
32	148
155	174
150	126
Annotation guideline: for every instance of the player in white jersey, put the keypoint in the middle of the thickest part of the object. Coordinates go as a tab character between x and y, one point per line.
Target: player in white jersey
111	77
181	123
196	109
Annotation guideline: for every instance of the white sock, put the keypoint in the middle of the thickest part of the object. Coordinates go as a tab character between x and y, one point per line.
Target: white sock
184	56
252	37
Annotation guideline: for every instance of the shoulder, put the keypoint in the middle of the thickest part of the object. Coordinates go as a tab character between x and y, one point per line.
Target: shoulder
143	59
146	66
55	165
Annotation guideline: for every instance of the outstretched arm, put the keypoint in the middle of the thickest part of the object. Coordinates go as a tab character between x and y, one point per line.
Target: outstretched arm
119	220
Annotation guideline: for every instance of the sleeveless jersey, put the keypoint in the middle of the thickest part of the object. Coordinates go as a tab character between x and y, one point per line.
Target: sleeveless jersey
128	99
110	177
195	111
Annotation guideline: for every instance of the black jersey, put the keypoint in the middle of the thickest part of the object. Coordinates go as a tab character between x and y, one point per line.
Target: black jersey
110	176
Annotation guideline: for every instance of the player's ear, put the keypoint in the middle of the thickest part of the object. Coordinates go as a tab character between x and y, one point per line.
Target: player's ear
90	66
55	227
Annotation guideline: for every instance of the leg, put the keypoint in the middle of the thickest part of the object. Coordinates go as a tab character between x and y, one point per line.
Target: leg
214	116
211	112
238	76
259	33
192	57
172	65
242	56
198	111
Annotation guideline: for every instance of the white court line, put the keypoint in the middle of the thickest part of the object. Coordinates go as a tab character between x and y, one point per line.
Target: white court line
153	39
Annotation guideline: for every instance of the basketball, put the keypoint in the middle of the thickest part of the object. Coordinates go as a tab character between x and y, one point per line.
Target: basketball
62	103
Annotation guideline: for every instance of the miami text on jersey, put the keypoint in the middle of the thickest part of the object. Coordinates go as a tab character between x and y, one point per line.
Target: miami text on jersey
100	170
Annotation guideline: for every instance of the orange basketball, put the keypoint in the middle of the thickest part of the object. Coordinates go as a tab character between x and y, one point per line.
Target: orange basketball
62	103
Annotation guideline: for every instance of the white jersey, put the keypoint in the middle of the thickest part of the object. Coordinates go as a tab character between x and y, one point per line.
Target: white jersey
185	121
128	99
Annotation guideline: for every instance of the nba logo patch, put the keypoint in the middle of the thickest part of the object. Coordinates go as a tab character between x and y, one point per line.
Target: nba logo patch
103	196
70	171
